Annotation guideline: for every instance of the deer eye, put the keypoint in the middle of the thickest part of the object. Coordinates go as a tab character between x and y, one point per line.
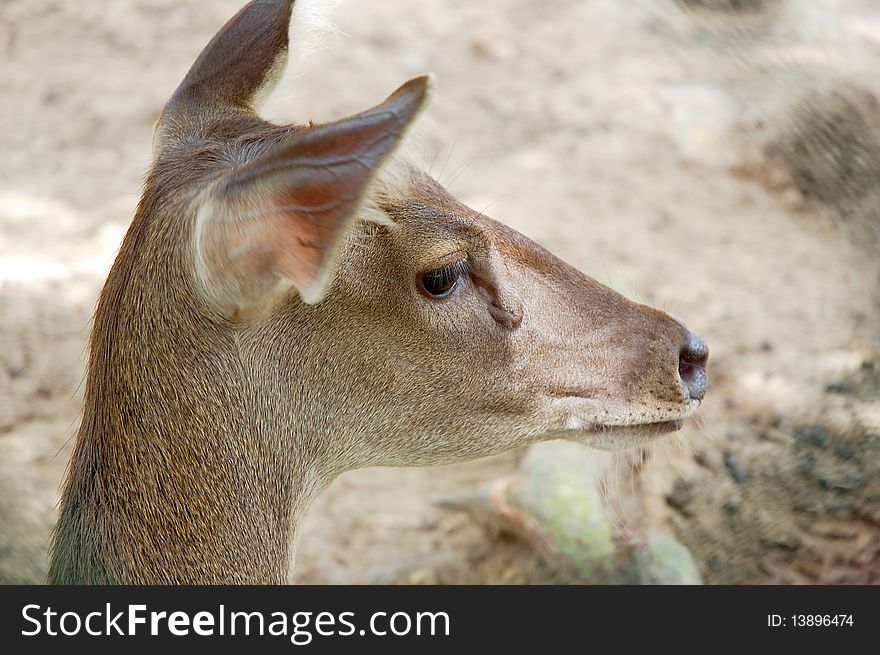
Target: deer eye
440	282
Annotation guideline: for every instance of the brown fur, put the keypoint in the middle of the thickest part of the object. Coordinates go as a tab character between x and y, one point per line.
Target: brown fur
209	425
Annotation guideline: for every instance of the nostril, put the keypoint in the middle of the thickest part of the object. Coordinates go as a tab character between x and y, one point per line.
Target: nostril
692	361
694	352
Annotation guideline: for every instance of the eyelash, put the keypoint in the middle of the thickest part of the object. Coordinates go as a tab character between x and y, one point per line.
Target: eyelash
445	278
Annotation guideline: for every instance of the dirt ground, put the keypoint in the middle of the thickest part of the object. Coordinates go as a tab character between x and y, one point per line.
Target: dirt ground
653	144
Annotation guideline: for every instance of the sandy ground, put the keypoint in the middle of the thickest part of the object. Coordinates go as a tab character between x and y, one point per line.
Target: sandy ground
628	138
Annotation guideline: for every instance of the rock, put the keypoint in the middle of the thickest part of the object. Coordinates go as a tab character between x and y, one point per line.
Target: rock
557	493
843	450
807	464
681	497
840	387
815	435
665	560
737	472
731	505
554	505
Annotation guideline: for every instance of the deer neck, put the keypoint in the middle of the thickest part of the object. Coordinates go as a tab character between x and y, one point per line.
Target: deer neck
185	469
147	506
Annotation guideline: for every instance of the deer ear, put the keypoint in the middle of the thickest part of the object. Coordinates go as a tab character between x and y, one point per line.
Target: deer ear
278	220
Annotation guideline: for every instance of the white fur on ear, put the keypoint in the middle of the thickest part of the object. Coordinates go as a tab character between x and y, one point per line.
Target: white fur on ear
394	179
311	23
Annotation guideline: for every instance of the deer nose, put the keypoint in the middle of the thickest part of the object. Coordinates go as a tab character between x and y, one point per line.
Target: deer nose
692	360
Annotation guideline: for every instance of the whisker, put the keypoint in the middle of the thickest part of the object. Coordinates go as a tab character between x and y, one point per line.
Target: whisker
700	422
486	208
606	489
434	160
457	173
446	162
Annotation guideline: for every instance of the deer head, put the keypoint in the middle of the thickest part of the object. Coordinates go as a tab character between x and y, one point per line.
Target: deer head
291	302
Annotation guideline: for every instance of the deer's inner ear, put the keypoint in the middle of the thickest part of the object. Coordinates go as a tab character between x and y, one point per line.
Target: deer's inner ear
278	221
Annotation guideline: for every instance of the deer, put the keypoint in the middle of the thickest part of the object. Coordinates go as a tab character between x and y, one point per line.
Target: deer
291	302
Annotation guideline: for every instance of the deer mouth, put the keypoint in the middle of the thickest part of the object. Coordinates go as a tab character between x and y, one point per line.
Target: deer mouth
641	429
623	437
623	424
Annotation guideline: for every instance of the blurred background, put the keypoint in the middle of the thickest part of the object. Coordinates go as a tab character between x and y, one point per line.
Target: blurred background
716	158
